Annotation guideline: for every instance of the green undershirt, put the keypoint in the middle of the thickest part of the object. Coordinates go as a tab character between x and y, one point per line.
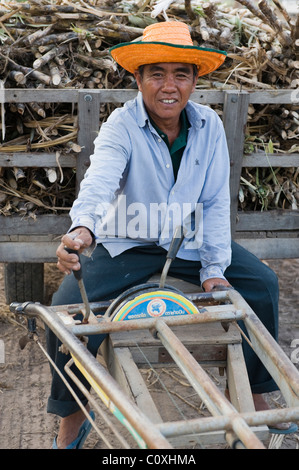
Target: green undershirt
176	150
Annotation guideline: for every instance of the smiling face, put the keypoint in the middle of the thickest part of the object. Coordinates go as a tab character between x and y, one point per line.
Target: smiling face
166	88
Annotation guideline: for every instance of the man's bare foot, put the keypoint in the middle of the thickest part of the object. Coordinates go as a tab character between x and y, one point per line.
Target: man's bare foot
69	428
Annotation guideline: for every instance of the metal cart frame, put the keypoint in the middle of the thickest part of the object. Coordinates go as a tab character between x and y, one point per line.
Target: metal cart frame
239	428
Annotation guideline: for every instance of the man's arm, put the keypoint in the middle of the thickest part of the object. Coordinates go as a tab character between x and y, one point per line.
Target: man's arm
97	189
216	248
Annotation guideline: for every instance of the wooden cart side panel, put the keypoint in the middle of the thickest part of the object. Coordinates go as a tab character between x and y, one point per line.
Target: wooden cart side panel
89	116
252	230
235	113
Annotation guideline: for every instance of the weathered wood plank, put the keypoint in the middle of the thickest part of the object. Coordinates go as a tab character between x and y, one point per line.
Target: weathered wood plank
235	111
43	225
38	160
273	220
238	382
116	96
114	366
15	95
208	97
121	96
263	160
29	238
290	96
48	95
271	248
23	252
88	123
137	385
188	334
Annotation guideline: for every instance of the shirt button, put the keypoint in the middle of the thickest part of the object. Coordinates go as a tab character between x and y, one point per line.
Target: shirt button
159	140
167	165
172	192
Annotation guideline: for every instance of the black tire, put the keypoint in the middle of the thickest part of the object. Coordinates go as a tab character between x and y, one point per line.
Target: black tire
24	282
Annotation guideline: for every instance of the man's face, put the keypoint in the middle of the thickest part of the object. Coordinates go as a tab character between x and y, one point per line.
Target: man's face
166	88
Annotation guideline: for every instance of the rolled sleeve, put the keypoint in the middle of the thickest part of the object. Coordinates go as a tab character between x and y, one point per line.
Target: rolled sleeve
211	272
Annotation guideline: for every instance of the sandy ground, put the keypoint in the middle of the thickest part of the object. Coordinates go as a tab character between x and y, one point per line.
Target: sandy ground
25	376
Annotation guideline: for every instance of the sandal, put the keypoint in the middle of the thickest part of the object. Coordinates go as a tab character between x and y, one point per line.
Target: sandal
291	429
82	435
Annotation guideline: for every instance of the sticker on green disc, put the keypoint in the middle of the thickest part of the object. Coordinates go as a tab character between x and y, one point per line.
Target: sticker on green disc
155	304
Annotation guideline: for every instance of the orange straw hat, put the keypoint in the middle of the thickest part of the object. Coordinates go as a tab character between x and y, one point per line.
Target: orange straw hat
168	41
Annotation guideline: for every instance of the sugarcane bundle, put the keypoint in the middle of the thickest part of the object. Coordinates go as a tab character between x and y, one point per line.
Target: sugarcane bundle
43	40
53	46
64	44
31	192
269	188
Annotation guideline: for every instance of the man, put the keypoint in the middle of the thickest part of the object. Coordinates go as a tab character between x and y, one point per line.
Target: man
159	161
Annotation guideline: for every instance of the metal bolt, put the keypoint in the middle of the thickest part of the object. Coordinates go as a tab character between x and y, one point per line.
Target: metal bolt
87	98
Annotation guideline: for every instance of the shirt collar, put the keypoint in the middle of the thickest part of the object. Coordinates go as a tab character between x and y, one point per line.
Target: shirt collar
142	116
181	140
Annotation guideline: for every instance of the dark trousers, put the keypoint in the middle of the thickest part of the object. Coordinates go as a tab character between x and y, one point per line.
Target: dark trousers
105	278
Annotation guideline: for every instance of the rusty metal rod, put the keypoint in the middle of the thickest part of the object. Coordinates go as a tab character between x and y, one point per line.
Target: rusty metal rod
216	314
270	353
219	423
72	391
143	426
96	407
102	305
214	400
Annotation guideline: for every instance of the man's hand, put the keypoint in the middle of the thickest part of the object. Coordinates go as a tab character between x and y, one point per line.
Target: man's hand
78	240
214	282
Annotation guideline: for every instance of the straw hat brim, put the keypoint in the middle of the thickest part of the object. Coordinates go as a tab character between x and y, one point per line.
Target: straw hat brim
131	55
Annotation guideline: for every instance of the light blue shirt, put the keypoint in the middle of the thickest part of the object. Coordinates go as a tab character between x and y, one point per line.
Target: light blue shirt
129	196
